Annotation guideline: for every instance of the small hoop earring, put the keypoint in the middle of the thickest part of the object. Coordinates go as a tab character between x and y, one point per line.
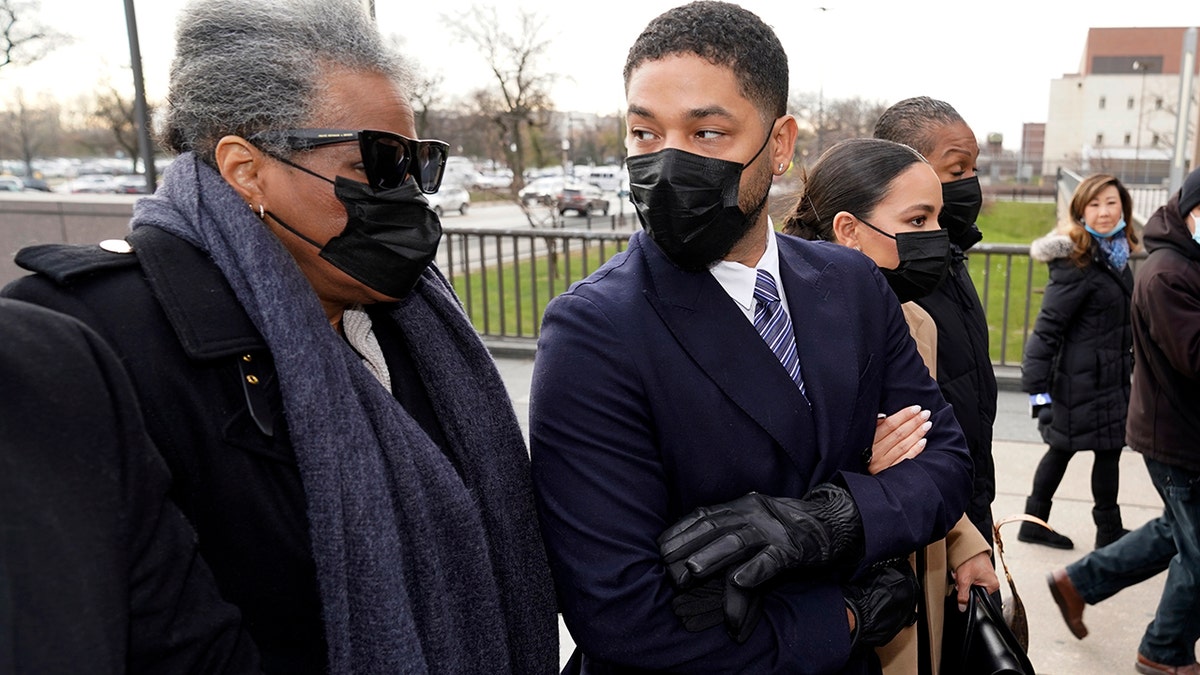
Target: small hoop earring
262	213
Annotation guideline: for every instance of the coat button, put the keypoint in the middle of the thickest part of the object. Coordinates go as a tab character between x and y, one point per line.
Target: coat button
116	246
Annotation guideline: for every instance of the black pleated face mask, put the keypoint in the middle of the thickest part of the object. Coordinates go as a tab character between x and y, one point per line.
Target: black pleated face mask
688	204
391	236
924	261
961	203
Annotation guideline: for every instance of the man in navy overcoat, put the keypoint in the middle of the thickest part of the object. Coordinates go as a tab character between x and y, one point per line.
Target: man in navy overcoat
654	395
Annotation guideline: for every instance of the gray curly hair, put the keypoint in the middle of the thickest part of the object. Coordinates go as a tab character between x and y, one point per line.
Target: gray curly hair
243	67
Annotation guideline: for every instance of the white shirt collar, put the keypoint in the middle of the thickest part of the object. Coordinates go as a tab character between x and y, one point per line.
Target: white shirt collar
738	280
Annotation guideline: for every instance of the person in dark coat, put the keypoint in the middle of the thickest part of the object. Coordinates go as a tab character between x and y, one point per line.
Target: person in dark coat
337	432
1078	359
965	372
99	571
1164	425
661	418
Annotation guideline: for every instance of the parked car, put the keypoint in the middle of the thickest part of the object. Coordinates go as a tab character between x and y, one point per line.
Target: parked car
93	182
132	184
543	190
11	184
450	198
582	198
37	184
494	180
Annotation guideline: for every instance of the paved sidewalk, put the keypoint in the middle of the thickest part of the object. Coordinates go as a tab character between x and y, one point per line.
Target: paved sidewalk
1115	626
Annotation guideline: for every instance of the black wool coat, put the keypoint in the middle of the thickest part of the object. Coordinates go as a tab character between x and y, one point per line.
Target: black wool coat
213	408
1081	348
98	569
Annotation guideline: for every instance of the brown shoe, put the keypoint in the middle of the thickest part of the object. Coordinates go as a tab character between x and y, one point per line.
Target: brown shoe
1068	600
1148	667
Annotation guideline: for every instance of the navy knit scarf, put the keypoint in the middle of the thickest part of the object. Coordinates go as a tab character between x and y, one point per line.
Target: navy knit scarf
421	569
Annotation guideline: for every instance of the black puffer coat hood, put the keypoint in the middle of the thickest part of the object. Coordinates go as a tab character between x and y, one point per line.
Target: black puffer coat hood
1080	350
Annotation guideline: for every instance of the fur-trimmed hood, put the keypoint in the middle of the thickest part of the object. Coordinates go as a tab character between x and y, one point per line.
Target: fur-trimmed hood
1053	246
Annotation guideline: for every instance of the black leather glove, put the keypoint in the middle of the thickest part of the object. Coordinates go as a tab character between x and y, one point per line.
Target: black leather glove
701	607
763	536
883	600
715	601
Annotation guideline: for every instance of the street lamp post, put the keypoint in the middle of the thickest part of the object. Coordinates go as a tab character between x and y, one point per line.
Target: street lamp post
1137	150
1186	72
141	117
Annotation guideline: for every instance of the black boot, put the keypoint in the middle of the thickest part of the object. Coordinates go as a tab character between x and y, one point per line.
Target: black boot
1032	533
1108	525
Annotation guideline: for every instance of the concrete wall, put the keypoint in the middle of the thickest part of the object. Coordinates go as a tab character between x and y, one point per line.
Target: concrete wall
28	218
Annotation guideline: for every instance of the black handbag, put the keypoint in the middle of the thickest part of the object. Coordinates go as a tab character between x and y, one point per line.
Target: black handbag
979	641
987	640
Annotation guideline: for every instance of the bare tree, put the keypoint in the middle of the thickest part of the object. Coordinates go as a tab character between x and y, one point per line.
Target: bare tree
426	95
522	91
825	121
31	128
115	113
23	39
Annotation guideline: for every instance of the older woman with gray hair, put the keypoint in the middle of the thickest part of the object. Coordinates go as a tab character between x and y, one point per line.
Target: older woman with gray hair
336	431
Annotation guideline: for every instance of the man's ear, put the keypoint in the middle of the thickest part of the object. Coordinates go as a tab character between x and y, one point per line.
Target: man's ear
240	164
845	230
786	131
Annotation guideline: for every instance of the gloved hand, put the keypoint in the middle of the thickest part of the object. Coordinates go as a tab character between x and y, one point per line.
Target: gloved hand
708	604
883	600
763	536
701	607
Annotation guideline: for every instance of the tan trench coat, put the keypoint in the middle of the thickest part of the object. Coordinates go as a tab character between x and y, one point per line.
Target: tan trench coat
963	542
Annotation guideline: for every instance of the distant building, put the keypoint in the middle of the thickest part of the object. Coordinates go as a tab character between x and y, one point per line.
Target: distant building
1118	114
1033	148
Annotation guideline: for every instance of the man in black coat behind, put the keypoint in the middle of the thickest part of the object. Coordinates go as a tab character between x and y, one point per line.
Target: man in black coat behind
98	570
965	373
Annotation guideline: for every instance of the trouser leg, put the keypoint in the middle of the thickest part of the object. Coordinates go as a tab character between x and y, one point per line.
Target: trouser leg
1171	637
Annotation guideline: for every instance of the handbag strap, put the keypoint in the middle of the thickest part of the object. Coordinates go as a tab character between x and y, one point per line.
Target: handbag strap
1017	620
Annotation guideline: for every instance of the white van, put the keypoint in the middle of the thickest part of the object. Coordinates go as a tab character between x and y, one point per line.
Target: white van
607	178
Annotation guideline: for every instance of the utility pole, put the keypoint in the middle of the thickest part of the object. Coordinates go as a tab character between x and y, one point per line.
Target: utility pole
1179	152
140	118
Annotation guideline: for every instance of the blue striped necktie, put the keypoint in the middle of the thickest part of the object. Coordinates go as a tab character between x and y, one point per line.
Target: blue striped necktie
773	324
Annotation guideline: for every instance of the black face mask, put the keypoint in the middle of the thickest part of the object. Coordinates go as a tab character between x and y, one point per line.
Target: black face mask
391	236
688	204
961	202
924	260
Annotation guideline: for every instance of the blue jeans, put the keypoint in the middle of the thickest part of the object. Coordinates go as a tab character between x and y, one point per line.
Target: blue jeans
1170	542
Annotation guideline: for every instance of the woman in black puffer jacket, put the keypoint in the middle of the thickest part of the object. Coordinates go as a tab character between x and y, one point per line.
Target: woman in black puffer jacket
1078	359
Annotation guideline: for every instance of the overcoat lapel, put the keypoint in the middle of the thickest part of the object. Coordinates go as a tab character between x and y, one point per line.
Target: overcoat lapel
711	329
825	339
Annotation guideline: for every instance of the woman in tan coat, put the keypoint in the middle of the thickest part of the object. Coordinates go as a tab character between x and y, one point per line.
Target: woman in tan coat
883	199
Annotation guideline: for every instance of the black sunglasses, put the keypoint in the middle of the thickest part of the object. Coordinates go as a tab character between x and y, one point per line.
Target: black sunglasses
388	159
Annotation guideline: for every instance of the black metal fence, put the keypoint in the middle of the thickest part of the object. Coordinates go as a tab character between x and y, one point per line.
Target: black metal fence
505	278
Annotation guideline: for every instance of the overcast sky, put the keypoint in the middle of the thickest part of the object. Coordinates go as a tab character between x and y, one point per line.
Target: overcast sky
992	60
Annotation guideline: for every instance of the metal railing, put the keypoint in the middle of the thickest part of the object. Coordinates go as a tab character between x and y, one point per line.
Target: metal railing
505	278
